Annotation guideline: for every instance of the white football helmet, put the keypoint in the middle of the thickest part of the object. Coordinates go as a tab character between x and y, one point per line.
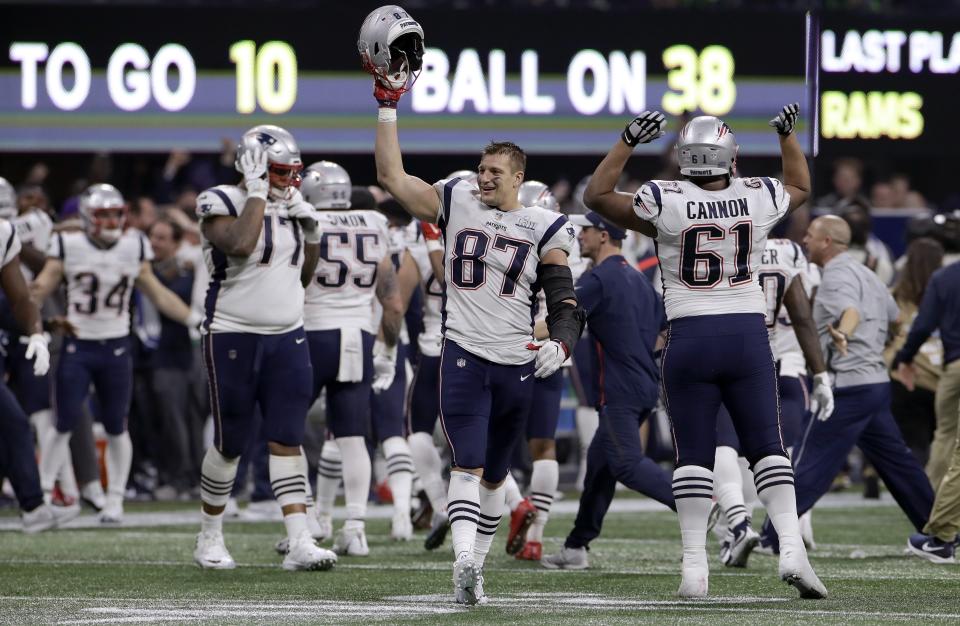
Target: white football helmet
535	193
706	147
468	175
391	46
326	185
8	200
283	157
103	211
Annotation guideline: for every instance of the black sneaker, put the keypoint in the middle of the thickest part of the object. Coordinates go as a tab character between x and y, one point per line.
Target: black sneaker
931	548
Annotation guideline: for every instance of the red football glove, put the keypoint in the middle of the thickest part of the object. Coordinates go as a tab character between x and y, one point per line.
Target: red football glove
431	232
385	96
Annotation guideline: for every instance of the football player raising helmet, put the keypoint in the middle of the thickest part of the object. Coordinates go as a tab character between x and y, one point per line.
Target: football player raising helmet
283	158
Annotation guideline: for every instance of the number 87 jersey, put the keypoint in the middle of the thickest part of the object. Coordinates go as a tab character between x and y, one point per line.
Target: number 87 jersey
490	261
710	243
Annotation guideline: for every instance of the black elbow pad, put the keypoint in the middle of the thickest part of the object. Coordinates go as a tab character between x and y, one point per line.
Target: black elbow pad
565	321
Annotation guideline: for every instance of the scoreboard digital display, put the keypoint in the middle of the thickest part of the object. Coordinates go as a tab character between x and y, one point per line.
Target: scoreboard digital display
556	82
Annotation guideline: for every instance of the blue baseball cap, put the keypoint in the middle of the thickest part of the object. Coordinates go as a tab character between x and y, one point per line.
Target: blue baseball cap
593	219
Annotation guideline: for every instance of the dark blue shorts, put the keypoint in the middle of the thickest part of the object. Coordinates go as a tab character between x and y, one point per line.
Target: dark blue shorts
545	409
247	369
388	407
711	359
108	365
483	409
348	404
32	392
794	406
424	405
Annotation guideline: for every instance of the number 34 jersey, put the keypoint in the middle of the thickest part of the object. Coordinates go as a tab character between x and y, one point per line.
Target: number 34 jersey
491	260
342	291
710	243
100	280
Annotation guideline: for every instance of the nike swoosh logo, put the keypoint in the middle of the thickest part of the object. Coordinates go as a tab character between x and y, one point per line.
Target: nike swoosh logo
301	340
523	378
118	351
927	547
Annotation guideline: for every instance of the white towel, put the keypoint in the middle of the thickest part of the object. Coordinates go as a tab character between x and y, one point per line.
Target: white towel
351	356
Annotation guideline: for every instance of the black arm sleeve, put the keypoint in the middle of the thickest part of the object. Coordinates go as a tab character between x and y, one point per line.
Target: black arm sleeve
565	321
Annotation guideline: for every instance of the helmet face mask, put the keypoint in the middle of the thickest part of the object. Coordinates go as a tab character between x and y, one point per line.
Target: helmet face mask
283	158
706	147
104	212
390	44
326	185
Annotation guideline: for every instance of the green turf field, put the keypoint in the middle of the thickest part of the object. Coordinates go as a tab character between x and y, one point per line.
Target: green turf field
145	575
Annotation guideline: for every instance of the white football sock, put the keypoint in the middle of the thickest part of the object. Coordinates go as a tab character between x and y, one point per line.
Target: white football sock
329	472
356	476
54	452
119	456
749	489
426	459
727	485
693	491
399	472
211	523
774	479
512	492
463	507
288	480
305	471
543	486
217	474
491	510
588	420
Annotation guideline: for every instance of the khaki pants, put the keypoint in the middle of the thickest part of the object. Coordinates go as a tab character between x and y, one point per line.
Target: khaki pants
945	517
948	416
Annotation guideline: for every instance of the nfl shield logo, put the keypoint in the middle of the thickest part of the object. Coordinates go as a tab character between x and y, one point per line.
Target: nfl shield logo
461	362
232	354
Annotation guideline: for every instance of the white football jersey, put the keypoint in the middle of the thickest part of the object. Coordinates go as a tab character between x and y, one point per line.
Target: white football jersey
782	263
429	339
490	261
9	241
35	228
260	293
710	243
100	280
343	290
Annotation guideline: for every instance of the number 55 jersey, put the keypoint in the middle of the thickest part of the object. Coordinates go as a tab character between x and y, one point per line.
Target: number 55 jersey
99	281
491	260
710	243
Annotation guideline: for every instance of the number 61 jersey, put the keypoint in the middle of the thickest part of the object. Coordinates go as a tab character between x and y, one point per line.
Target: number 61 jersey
100	281
490	260
710	243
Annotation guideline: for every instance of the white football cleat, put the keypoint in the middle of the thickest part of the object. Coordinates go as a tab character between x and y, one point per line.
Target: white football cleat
47	516
352	542
262	510
313	525
112	511
211	553
740	542
795	570
304	554
806	530
466	577
567	558
482	597
694	583
401	529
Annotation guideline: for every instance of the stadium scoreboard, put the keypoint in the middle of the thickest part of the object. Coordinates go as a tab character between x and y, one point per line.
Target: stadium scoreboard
556	82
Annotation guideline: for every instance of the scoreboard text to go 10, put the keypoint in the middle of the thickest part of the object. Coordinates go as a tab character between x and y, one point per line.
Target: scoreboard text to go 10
266	76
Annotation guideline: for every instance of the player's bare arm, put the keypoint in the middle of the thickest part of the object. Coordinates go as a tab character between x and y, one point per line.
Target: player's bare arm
238	236
601	194
415	195
47	280
165	300
26	312
796	174
434	239
388	293
801	316
311	256
32	258
408	278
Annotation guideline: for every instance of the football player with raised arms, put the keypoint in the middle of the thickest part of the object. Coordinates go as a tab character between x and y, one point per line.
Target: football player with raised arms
496	254
260	244
349	351
101	265
710	229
